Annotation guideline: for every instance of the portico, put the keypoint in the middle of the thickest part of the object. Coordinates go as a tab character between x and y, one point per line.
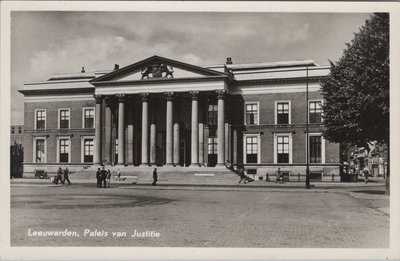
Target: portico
159	119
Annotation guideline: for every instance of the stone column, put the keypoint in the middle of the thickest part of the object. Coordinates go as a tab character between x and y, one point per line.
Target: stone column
201	144
97	155
145	129
129	137
235	146
195	129
169	130
221	128
176	144
121	129
153	131
108	131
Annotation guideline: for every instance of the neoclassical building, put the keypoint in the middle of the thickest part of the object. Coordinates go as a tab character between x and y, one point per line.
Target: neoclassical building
162	112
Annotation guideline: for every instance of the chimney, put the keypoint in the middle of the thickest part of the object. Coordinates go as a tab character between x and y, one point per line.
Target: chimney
228	60
83	69
116	67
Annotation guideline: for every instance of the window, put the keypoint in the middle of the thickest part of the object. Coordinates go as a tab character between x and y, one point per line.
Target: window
88	150
315	149
64	150
40	151
282	113
116	150
19	130
88	118
212	145
252	149
12	130
40	119
315	112
212	115
251	114
283	149
63	115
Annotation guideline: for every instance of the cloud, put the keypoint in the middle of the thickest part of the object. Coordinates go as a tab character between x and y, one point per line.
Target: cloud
70	55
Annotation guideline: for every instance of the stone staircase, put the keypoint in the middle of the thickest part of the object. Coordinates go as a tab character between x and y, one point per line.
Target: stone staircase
168	174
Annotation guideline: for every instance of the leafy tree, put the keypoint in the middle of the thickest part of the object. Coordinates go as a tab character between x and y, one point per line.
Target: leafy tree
356	91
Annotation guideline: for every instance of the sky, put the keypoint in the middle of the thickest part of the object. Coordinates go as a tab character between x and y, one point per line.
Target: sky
44	43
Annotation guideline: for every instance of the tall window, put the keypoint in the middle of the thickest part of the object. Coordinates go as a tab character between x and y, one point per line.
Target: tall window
64	119
64	150
283	149
282	113
19	130
315	111
40	151
251	149
88	150
251	114
212	145
88	121
212	114
40	119
12	130
315	149
116	150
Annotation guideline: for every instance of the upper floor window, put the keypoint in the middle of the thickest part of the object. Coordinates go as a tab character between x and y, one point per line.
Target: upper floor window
282	113
19	130
212	114
64	115
40	119
88	118
12	130
315	111
251	113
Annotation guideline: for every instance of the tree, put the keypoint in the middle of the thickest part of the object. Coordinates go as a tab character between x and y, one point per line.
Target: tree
356	92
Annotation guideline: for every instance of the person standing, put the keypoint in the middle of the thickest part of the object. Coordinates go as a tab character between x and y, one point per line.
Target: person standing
278	175
242	177
108	178
155	176
103	175
98	177
58	178
366	174
66	176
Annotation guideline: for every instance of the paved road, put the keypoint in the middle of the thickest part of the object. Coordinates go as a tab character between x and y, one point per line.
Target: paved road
200	217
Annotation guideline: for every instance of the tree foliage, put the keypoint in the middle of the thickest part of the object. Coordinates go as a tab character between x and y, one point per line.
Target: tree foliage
356	92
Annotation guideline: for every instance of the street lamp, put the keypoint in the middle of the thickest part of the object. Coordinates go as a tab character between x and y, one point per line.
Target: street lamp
307	137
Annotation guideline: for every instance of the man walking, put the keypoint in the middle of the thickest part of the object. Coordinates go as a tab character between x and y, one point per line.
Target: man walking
66	176
155	176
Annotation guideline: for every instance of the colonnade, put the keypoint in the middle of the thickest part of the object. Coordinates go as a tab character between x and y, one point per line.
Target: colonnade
148	136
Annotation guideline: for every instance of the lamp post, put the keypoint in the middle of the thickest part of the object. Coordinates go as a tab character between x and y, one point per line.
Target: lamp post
307	137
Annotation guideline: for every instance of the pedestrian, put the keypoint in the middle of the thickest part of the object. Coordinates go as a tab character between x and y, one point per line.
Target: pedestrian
58	178
119	174
242	177
98	177
103	175
155	176
366	174
108	178
66	176
278	175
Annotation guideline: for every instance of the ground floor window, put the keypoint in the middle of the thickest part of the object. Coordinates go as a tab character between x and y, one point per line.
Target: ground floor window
212	151
88	150
315	149
40	150
116	151
252	149
64	150
283	149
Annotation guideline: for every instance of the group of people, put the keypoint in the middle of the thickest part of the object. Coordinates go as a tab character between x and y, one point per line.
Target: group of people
103	177
62	176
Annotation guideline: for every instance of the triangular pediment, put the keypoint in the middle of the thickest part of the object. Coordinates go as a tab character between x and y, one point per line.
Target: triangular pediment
155	68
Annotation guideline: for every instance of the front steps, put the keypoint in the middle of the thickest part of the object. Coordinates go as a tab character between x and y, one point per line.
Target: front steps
168	174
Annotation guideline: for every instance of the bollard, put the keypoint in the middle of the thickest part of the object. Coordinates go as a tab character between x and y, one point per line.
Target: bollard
298	176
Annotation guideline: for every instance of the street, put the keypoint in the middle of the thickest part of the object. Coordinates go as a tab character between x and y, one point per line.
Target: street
83	215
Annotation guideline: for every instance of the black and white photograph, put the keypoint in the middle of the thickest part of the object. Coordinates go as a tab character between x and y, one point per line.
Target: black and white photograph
174	130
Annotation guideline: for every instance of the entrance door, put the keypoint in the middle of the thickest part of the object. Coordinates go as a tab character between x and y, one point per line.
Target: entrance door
160	148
